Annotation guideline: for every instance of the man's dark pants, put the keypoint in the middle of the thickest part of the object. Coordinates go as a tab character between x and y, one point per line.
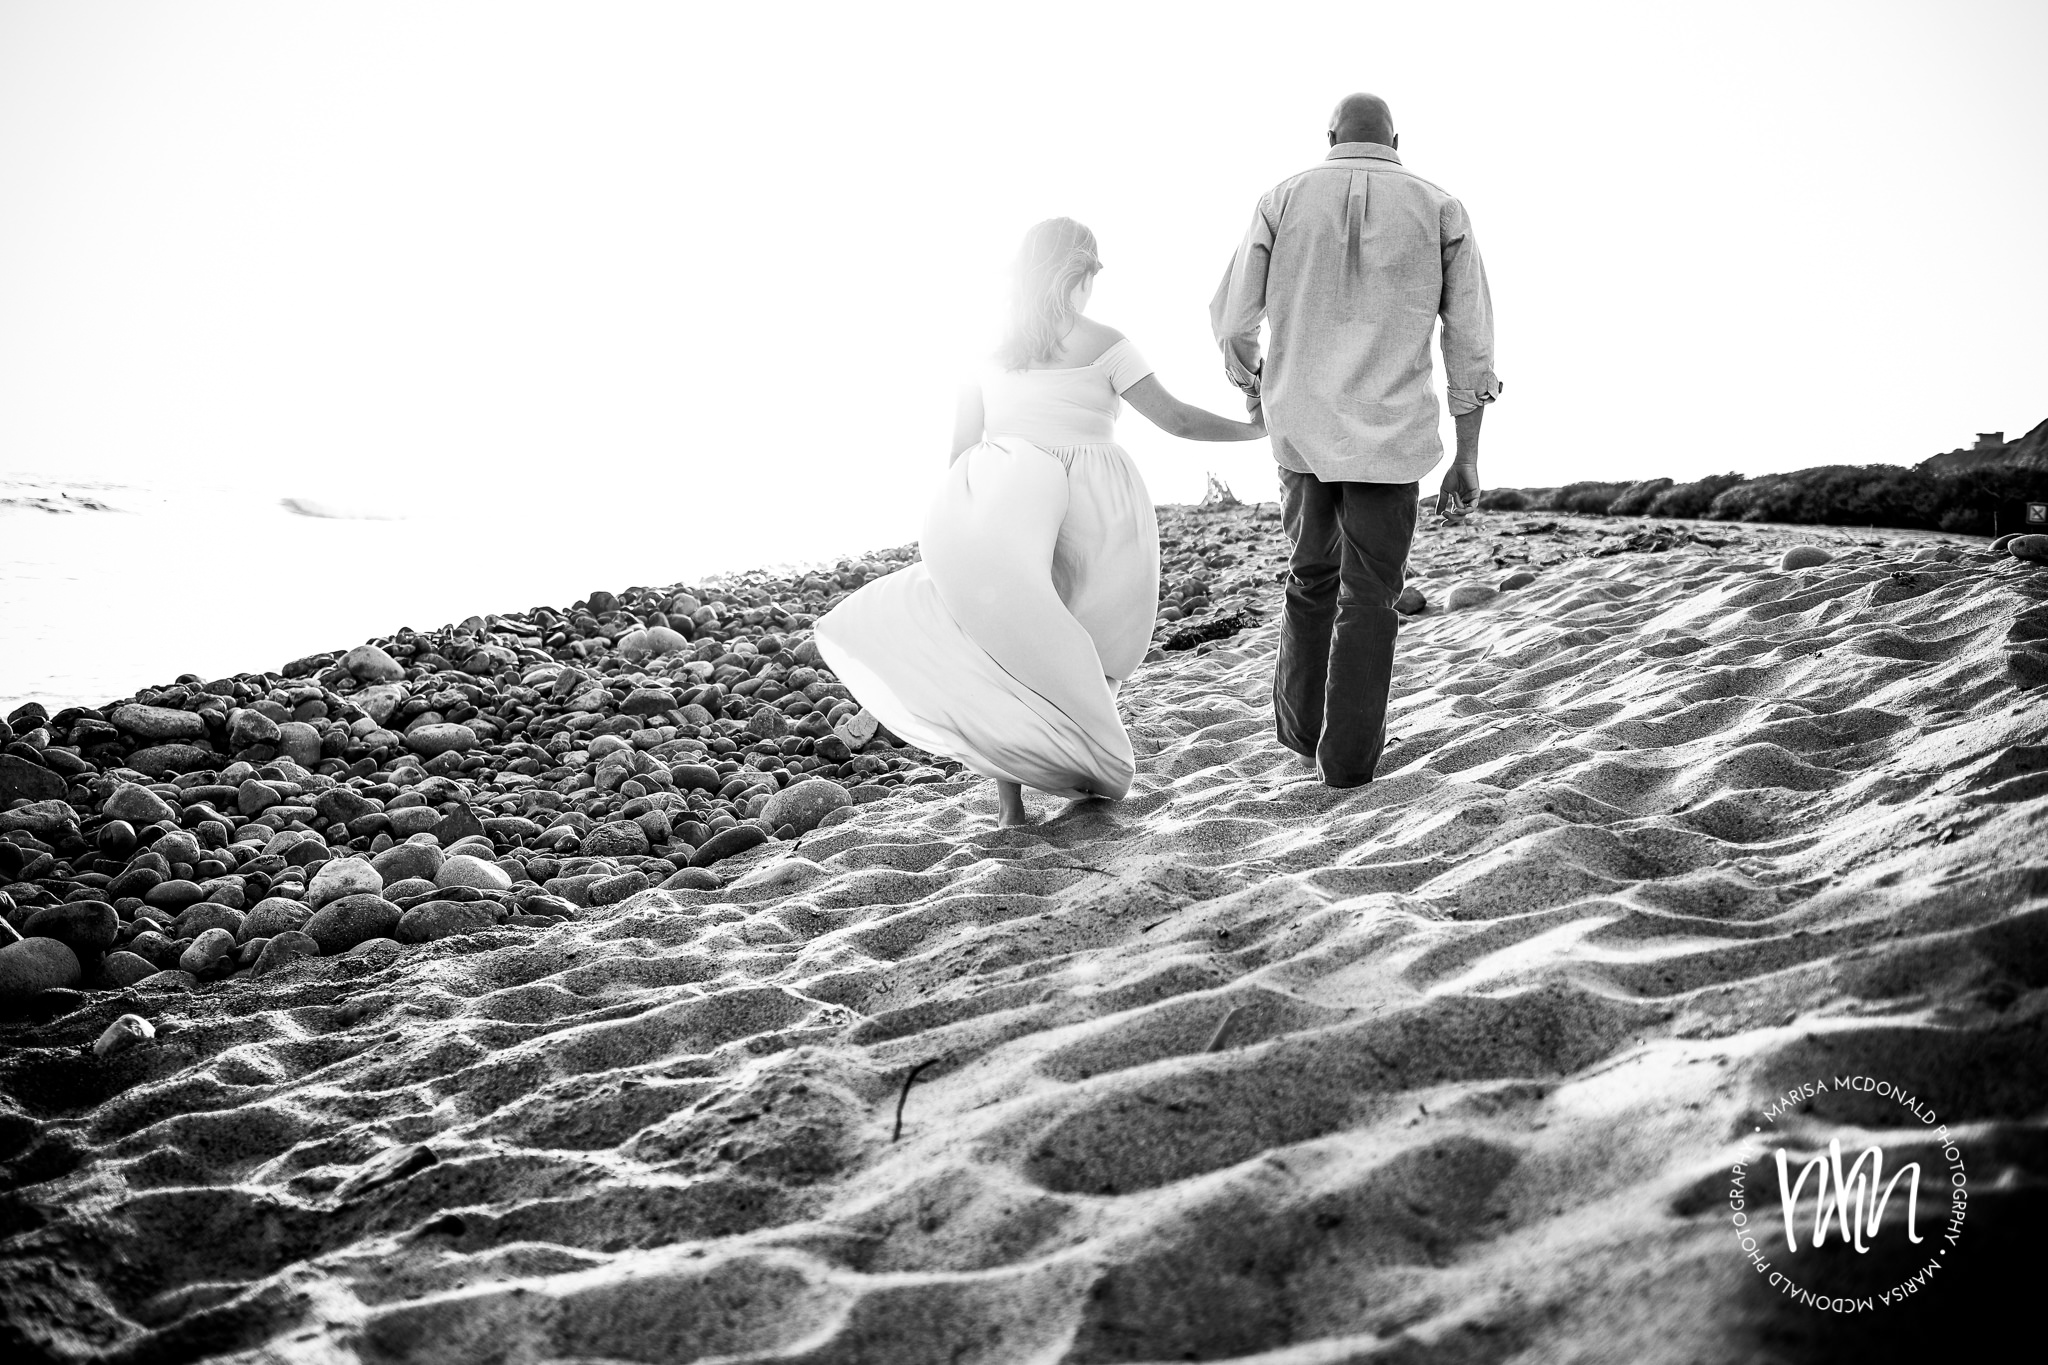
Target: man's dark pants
1337	640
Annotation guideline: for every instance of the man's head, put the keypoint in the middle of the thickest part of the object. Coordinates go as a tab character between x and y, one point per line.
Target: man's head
1363	118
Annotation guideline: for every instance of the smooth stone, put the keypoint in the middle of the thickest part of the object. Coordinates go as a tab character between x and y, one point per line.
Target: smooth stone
47	820
726	843
206	915
1804	557
696	777
407	821
207	952
459	824
164	760
339	805
289	946
87	927
270	917
159	722
1411	602
248	727
343	877
169	979
371	664
408	861
174	895
125	968
612	890
443	919
619	839
647	701
299	742
443	738
130	1030
2032	548
342	924
466	870
138	805
691	879
382	946
1521	578
1466	595
156	948
410	889
22	779
253	797
36	964
803	804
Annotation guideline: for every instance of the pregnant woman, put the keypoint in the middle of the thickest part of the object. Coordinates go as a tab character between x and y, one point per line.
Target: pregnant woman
1040	577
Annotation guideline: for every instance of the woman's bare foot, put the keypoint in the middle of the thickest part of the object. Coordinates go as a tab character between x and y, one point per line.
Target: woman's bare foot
1010	804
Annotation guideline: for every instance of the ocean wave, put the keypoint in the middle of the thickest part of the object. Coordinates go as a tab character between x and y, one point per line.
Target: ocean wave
328	511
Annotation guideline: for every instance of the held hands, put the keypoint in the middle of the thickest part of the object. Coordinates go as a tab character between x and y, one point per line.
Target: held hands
1459	494
1257	410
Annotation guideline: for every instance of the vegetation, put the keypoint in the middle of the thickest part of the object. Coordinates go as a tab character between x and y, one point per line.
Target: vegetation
1830	495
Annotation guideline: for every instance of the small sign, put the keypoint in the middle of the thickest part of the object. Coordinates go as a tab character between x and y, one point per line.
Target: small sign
2037	514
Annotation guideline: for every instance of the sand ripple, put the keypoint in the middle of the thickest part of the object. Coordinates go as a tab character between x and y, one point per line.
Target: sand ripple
1449	1067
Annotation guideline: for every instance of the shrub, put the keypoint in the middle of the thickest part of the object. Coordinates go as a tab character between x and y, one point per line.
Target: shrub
1503	500
1584	497
1692	499
1636	500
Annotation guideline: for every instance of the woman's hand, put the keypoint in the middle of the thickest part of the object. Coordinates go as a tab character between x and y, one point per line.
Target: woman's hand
1257	409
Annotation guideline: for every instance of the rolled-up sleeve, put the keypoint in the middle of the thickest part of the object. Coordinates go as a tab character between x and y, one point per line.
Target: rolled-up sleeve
1467	312
1240	303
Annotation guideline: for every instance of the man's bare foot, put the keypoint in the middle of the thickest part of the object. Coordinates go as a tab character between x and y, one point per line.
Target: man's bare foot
1010	804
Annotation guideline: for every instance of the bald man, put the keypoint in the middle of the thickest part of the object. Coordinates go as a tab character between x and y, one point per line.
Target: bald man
1351	264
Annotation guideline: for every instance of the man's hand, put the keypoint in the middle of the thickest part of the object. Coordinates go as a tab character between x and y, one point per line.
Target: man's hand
1257	410
1459	494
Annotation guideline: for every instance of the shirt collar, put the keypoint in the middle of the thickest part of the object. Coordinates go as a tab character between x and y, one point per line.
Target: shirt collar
1378	151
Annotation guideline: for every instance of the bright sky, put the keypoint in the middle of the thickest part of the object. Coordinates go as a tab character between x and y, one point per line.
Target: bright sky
676	258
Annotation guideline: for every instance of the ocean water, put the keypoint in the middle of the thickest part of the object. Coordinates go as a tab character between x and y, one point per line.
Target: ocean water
108	587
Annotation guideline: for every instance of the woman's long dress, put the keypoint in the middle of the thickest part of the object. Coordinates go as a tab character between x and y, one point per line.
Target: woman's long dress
1039	584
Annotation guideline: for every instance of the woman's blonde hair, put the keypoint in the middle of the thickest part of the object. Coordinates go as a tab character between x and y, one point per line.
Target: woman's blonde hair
1057	255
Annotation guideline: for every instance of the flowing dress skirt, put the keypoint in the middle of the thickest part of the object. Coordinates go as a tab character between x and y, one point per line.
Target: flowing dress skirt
1039	583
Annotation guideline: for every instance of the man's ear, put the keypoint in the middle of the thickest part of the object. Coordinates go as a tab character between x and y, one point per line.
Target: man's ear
1396	143
1333	137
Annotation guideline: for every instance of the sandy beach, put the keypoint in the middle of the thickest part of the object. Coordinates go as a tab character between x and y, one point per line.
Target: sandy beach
1451	1067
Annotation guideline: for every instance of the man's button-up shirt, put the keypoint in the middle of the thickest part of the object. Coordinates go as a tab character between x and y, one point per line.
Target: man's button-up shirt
1351	263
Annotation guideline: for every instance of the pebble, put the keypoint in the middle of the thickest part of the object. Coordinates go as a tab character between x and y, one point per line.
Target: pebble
165	760
158	722
207	952
443	919
289	946
353	919
1465	595
429	741
34	965
371	664
123	968
408	861
691	879
137	805
22	780
1411	602
1804	557
1520	578
48	820
726	843
343	877
270	917
620	839
2034	549
130	1030
802	805
464	870
612	890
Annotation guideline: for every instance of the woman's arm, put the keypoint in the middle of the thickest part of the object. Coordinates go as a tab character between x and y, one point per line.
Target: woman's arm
967	420
1191	423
